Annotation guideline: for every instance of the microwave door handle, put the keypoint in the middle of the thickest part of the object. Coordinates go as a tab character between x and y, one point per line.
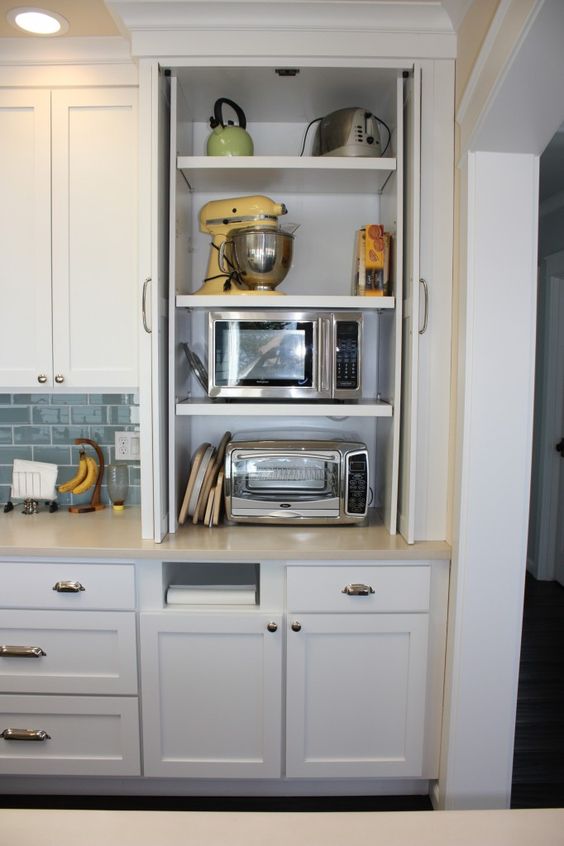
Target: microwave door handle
325	357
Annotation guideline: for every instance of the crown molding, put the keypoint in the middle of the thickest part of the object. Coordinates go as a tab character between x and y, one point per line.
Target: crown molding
381	15
113	50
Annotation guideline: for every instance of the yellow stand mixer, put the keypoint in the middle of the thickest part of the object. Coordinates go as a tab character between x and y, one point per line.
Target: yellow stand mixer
249	253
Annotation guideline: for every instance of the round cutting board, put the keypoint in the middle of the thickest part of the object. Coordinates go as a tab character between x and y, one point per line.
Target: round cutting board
199	479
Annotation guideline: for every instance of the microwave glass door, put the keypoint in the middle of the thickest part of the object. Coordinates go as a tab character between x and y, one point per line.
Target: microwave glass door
250	353
296	478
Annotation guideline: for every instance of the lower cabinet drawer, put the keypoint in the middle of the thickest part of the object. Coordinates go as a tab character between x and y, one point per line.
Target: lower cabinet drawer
91	652
69	735
355	587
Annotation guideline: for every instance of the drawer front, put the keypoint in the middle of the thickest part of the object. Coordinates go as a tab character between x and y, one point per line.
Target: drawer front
68	652
83	735
31	584
386	588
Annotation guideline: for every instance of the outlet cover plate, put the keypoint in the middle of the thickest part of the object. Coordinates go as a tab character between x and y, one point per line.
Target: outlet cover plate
127	446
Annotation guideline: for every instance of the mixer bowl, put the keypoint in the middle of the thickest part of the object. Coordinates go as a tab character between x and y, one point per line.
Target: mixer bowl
262	256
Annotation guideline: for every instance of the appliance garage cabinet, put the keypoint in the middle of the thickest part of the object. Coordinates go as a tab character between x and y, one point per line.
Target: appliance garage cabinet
402	413
68	669
69	237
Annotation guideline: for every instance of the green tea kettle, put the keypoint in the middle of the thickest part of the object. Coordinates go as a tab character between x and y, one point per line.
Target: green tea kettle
228	139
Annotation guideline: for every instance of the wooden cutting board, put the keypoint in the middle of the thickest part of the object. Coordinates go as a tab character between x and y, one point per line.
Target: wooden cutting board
196	461
211	480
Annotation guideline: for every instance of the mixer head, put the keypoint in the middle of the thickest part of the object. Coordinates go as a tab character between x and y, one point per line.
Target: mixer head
221	216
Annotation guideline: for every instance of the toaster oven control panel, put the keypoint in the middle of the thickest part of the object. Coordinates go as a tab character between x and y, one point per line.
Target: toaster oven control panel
347	355
357	484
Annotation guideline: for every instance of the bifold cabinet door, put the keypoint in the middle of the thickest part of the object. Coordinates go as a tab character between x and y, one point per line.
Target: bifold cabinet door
355	695
211	694
25	238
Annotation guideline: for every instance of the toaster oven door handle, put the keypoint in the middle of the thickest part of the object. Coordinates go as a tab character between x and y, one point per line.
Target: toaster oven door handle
242	456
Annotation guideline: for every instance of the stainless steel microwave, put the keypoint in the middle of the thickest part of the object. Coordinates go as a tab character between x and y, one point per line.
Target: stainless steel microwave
296	479
285	355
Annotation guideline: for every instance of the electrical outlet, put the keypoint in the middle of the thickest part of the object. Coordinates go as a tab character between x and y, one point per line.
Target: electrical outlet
127	446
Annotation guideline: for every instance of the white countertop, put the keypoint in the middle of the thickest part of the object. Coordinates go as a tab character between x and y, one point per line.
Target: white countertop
204	828
109	534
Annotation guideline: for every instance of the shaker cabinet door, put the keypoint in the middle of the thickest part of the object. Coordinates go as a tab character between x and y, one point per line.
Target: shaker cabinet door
25	239
211	694
355	695
95	237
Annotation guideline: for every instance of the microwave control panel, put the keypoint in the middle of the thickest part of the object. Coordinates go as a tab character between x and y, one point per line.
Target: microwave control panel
347	356
357	484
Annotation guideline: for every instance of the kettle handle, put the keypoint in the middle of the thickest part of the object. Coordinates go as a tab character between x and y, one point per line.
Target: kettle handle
218	117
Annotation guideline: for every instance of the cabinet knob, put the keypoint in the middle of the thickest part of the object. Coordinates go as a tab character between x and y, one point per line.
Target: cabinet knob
25	734
42	378
59	379
358	590
68	586
7	651
296	627
272	627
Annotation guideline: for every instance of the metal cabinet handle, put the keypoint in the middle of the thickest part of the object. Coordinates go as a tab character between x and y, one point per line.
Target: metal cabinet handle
146	326
426	306
272	627
296	626
42	378
25	734
59	379
7	651
358	590
68	586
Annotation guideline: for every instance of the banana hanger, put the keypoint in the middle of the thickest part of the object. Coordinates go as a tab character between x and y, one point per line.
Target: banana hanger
95	504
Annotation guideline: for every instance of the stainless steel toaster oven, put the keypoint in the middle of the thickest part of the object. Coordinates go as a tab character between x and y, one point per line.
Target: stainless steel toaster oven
296	479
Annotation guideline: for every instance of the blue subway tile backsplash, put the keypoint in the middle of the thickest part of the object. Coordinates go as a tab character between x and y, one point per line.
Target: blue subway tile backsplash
43	427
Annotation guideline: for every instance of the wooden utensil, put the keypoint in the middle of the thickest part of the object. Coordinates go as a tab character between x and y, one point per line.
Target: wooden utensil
198	455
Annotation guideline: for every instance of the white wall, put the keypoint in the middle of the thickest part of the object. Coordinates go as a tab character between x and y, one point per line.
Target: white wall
496	368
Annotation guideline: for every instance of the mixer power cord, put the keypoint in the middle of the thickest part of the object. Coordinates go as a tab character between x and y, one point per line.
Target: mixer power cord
230	278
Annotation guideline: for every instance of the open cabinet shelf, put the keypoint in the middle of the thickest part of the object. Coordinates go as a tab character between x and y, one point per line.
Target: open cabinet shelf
224	408
294	174
285	301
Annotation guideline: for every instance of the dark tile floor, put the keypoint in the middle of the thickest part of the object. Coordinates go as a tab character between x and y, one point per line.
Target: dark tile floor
538	764
231	803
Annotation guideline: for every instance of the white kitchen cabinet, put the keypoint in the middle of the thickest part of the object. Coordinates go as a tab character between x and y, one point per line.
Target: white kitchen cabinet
68	274
355	695
68	669
211	693
362	692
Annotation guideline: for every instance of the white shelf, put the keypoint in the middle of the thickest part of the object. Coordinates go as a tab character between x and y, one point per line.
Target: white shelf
286	301
294	174
223	408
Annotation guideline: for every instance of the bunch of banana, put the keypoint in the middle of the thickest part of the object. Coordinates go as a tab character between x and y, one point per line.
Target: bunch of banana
84	478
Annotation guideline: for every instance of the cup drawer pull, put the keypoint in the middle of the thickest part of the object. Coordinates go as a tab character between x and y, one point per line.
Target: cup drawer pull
9	651
25	734
358	590
68	586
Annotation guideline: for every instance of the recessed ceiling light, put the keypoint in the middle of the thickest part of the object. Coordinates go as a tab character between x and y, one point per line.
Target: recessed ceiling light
37	21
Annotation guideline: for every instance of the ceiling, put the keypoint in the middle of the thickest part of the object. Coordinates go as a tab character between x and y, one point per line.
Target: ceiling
86	17
92	18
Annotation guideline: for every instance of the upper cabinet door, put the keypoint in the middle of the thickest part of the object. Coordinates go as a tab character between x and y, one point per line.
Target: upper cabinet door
25	239
94	209
410	330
